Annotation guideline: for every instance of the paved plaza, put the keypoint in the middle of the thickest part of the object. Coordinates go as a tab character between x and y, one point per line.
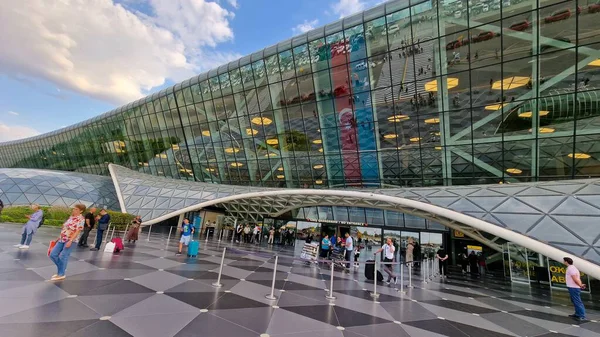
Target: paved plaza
147	291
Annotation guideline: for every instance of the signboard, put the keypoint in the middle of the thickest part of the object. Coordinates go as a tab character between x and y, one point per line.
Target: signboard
351	223
476	249
557	272
310	251
458	234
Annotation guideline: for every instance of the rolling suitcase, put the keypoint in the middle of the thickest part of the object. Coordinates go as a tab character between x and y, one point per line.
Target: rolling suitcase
193	248
369	269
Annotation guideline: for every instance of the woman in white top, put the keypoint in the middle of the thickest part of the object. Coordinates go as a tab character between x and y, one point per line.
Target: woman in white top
389	250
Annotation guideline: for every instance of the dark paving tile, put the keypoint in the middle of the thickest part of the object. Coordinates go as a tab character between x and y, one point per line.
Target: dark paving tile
366	295
213	276
101	329
120	287
405	311
349	318
244	267
200	300
321	313
233	301
255	319
473	309
207	325
545	316
48	329
21	275
514	324
377	330
82	287
440	327
118	264
475	331
64	310
189	273
108	305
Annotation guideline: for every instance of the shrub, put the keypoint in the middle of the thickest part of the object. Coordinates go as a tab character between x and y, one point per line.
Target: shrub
56	216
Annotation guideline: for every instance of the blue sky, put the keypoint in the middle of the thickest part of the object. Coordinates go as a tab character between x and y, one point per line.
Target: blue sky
76	59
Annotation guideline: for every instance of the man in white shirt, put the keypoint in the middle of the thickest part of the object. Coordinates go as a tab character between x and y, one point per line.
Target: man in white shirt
388	256
574	285
349	249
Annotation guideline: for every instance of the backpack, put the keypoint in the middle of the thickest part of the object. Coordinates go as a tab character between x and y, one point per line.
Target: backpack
41	221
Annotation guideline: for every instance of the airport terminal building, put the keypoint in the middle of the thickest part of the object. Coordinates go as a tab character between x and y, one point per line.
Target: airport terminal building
452	122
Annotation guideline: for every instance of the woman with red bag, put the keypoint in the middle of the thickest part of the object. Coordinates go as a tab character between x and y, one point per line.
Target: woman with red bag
64	244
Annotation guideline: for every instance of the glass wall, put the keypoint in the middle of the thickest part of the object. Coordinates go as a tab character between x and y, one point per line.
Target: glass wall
409	93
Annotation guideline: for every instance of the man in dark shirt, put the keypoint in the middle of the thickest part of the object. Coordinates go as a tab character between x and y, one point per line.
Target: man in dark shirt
442	257
90	221
103	221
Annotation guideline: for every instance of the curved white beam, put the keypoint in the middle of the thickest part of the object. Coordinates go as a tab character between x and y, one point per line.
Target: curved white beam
507	234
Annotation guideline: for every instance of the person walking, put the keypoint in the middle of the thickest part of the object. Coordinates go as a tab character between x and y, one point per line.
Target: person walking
464	261
103	221
31	226
482	264
442	257
186	234
271	235
388	257
64	244
348	245
473	263
239	230
90	221
574	285
410	248
132	234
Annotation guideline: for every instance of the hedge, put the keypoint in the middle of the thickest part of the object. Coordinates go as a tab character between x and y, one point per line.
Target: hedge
56	216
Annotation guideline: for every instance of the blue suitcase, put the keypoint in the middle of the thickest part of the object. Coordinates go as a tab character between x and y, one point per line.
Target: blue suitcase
193	248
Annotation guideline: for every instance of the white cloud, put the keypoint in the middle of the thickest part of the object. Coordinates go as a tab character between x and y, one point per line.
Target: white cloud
234	3
347	7
12	132
107	51
305	26
14	113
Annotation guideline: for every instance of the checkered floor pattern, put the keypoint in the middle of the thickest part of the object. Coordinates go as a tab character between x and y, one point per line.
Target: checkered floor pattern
148	291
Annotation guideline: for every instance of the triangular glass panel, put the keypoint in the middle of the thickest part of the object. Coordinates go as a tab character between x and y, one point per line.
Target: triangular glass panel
464	205
593	256
563	188
592	189
535	191
542	203
583	227
577	250
512	205
463	191
572	206
442	193
15	189
508	190
549	230
442	202
487	203
518	222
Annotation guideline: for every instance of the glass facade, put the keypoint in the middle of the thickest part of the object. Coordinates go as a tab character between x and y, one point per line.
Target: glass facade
417	93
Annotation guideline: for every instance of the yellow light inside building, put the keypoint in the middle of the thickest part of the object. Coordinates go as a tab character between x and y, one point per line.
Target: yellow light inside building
451	82
273	141
509	83
237	164
210	169
161	155
321	150
390	136
251	132
546	130
280	176
271	154
317	141
528	114
318	182
415	139
398	118
514	171
436	133
595	63
175	147
280	169
579	155
495	107
438	148
318	166
319	130
261	121
432	121
232	150
206	133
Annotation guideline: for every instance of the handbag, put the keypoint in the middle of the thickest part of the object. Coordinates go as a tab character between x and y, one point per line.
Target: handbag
51	246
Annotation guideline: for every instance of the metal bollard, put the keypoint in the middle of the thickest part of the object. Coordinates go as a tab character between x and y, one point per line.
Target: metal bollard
107	232
169	237
218	283
375	295
401	278
272	296
125	233
410	277
330	296
425	270
206	235
113	233
149	231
